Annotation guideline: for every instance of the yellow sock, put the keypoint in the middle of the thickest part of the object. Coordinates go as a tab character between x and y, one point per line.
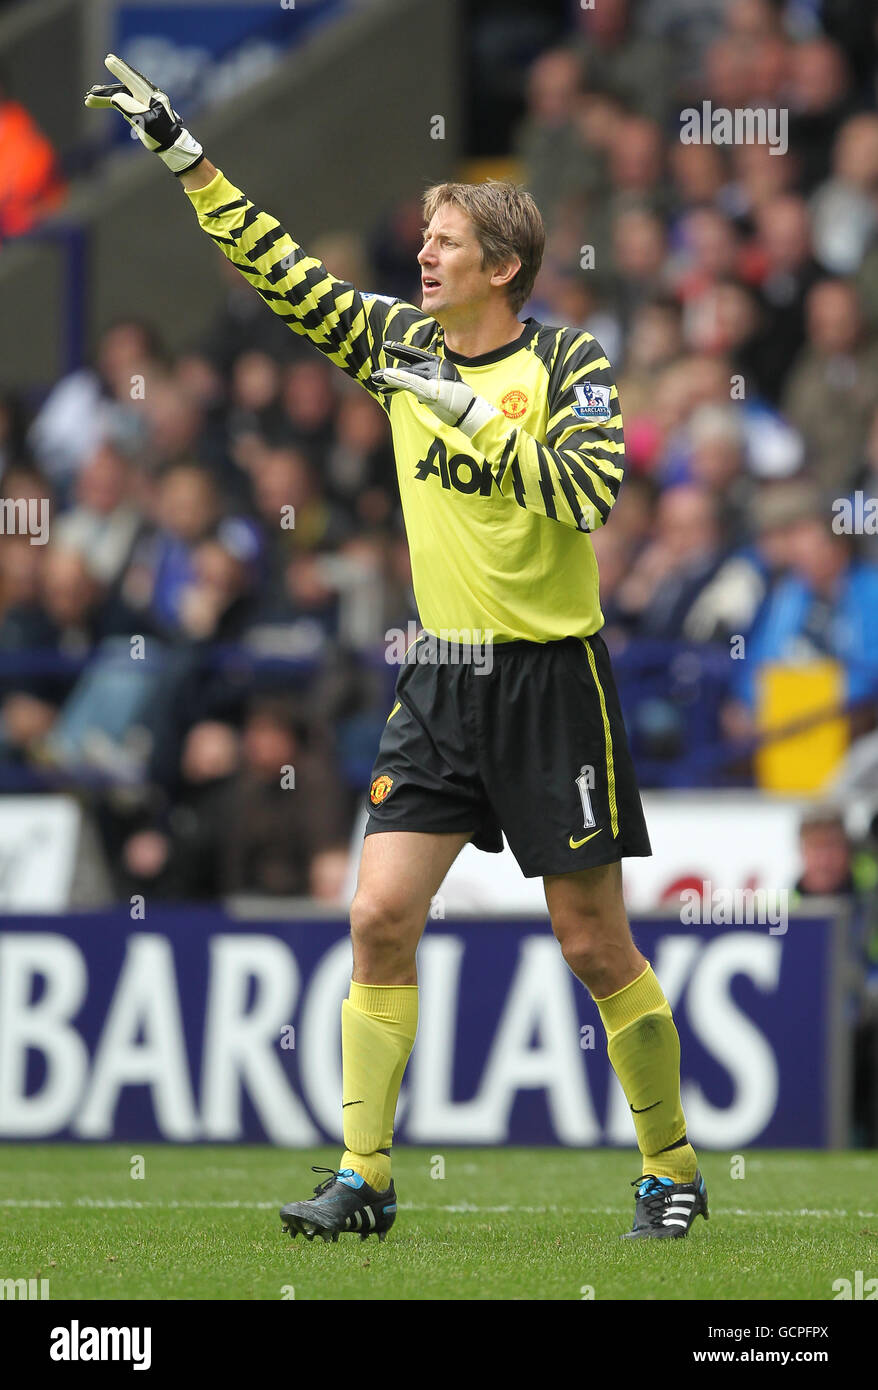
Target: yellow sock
378	1027
644	1049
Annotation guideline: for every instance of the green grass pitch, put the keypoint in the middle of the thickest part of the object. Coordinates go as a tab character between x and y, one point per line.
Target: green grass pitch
501	1224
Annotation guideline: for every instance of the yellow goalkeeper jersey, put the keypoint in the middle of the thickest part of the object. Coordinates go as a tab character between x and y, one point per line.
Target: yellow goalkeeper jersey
497	525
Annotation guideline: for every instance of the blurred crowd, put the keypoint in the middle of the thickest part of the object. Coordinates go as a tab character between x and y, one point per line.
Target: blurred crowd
734	288
226	554
227	551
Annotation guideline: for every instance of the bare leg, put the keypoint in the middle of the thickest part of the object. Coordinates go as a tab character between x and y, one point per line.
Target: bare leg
399	873
589	920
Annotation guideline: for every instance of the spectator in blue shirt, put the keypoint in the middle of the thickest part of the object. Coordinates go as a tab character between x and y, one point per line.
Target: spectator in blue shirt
827	606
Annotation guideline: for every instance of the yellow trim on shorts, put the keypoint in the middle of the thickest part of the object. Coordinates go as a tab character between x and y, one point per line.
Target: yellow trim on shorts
608	740
398	704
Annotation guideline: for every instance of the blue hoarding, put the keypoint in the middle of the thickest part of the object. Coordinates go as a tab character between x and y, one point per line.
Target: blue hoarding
205	52
194	1026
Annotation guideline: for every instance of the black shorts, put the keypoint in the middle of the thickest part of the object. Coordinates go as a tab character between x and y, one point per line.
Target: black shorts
533	745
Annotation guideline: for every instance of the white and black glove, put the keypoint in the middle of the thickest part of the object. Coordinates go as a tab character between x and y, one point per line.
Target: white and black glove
436	383
150	113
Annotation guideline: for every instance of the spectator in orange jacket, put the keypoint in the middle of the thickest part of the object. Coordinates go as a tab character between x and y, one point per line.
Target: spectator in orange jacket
31	184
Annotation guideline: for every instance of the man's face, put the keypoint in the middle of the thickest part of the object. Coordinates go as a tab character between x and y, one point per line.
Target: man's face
825	858
452	274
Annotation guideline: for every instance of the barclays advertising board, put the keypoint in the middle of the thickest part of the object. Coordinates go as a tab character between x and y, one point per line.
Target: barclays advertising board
194	1026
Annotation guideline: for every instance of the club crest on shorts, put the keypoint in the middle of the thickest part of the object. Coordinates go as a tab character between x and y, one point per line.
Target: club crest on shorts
592	402
380	789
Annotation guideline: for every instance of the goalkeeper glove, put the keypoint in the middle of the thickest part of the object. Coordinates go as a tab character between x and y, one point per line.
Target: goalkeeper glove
149	112
436	383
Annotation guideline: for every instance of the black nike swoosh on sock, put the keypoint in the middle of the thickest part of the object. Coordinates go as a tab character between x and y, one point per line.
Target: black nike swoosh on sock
646	1107
346	1103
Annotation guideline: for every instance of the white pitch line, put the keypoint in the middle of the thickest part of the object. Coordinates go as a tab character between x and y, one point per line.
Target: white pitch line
462	1209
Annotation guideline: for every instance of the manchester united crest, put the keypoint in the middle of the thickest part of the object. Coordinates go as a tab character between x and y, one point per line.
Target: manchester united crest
514	404
380	789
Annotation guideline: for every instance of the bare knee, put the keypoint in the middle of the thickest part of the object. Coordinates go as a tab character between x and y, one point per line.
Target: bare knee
600	954
378	921
385	933
581	946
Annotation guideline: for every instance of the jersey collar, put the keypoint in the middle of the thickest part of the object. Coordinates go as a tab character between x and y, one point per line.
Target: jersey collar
529	329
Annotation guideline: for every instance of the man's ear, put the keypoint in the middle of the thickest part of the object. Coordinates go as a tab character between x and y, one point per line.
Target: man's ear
505	271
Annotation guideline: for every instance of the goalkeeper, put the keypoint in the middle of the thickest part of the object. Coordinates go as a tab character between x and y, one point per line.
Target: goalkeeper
509	452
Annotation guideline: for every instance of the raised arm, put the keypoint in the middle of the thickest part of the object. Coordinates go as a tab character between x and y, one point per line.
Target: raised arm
345	324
